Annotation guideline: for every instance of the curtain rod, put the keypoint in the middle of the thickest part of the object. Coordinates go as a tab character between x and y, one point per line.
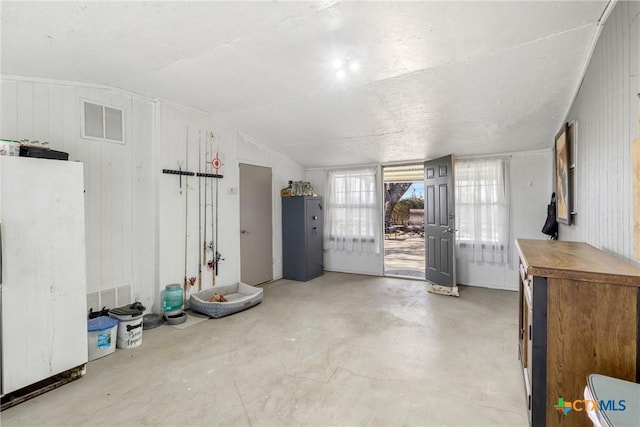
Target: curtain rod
506	154
419	162
368	165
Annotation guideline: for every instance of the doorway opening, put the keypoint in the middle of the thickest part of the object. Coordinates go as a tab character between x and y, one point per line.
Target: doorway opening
404	242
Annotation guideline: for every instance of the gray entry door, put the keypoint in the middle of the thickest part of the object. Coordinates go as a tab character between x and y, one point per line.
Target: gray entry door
439	221
256	234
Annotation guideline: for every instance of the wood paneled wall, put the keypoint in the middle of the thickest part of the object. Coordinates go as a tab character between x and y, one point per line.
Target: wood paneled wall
607	111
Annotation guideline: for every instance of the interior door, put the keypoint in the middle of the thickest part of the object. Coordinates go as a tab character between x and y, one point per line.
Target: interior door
256	234
439	222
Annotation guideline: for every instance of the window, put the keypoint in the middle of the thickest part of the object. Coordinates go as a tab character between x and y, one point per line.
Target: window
352	216
482	210
102	122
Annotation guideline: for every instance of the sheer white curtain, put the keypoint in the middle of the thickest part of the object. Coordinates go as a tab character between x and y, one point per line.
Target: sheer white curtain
482	209
352	211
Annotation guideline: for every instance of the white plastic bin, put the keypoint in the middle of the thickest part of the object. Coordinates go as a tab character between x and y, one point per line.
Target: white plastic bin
102	336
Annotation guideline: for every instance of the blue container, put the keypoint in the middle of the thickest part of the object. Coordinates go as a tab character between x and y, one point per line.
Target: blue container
101	323
102	336
172	298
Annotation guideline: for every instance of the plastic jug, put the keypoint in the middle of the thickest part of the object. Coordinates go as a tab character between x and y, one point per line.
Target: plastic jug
172	298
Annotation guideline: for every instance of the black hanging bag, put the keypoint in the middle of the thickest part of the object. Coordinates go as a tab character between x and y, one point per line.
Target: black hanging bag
550	227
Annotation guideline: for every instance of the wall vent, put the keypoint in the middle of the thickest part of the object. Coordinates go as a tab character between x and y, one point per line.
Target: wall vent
102	122
109	298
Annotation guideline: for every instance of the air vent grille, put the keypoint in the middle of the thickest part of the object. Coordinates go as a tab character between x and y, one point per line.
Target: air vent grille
102	122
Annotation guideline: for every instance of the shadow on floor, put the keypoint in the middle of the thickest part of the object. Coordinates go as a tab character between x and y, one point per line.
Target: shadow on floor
414	274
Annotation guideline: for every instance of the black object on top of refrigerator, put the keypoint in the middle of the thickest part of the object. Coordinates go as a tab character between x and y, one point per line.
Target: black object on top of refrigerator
42	153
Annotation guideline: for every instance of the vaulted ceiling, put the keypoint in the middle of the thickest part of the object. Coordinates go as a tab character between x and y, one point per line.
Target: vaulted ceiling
331	82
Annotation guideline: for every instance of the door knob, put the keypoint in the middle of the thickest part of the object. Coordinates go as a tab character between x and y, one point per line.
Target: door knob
244	232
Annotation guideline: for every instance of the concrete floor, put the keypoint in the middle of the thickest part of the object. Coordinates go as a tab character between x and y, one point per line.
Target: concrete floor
338	350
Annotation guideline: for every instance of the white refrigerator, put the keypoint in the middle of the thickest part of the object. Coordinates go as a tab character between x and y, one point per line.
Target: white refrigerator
43	274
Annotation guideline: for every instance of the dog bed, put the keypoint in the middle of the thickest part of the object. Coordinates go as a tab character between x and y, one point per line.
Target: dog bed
239	296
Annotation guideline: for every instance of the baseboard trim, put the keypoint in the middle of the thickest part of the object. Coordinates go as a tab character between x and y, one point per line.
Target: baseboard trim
499	288
362	273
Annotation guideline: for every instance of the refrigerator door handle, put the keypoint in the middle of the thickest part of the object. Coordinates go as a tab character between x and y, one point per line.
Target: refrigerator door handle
0	253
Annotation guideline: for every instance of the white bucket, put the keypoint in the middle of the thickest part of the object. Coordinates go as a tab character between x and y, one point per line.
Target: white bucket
102	336
129	331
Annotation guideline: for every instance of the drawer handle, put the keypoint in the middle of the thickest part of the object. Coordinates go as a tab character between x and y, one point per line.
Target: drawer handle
523	273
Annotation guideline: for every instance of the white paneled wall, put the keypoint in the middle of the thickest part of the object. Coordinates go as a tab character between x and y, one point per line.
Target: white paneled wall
284	170
135	214
342	261
171	151
50	111
530	179
607	111
234	147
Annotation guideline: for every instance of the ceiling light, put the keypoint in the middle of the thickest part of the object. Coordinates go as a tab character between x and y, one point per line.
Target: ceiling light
337	63
340	73
353	66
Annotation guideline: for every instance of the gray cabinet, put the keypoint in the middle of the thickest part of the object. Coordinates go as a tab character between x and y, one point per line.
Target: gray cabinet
302	229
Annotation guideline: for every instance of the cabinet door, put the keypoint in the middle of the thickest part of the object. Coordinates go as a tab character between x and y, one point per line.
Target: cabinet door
529	352
522	324
314	230
526	343
293	241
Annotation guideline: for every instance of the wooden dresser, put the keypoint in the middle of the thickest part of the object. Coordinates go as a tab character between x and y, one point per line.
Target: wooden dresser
579	314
